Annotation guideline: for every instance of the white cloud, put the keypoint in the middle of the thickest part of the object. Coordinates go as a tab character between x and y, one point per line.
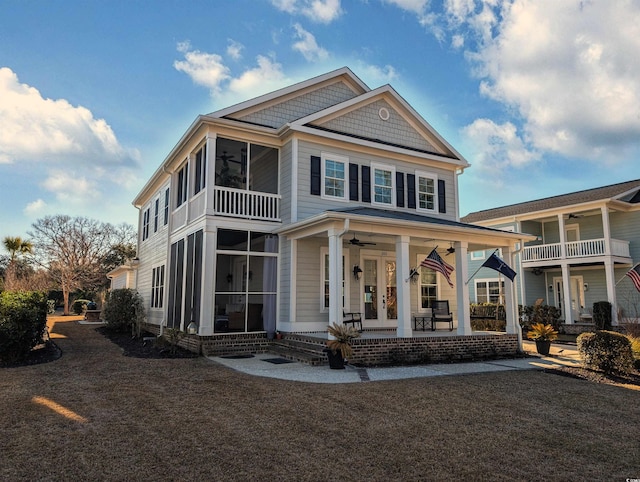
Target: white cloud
36	129
321	11
234	49
568	69
498	147
204	69
69	187
265	77
307	45
35	208
376	74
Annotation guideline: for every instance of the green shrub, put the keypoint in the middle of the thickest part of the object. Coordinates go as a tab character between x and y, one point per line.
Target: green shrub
51	307
635	350
488	324
23	321
602	315
534	314
124	311
605	350
79	306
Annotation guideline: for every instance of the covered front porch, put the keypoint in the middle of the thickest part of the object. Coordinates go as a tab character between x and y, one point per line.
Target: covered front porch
370	264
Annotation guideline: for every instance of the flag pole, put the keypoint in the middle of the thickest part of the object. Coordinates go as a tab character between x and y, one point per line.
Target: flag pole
625	275
481	266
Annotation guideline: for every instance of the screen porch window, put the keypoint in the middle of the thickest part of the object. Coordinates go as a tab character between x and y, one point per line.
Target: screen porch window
427	195
383	179
334	176
246	166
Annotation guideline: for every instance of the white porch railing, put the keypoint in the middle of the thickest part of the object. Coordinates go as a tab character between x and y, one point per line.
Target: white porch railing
228	201
575	249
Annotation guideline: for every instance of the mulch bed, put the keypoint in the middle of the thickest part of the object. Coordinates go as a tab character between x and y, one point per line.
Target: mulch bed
44	353
595	376
144	347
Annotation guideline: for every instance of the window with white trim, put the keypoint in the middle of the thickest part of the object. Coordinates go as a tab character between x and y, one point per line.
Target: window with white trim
155	215
145	223
166	207
183	182
490	290
383	184
324	253
334	178
428	291
426	189
477	255
200	170
157	287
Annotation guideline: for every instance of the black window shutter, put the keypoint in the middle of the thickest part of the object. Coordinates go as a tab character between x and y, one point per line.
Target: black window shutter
315	175
400	189
411	191
366	184
353	182
442	203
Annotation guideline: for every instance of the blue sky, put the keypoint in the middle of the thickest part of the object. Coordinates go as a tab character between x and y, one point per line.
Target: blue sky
541	97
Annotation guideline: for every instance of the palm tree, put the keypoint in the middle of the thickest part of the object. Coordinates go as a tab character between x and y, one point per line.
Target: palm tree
16	247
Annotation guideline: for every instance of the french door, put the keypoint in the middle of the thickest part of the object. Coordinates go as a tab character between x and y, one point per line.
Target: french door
379	289
577	296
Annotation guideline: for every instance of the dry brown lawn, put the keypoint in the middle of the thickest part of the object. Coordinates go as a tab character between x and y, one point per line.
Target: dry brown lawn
94	414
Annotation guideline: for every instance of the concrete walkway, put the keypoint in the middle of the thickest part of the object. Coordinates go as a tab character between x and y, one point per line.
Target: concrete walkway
272	366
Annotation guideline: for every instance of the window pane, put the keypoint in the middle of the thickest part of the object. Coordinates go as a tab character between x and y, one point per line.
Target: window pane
231	163
263	169
232	240
334	178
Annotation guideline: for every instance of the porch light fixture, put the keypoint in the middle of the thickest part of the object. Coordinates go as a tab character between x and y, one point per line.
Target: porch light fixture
357	272
413	275
550	288
192	328
586	286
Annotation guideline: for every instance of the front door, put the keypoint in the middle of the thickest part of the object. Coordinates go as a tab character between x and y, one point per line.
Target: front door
577	296
380	290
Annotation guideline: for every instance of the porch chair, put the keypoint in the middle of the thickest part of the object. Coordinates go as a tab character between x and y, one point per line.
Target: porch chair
441	314
352	318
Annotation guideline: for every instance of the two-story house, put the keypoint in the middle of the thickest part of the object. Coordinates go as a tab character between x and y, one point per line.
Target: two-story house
586	242
288	210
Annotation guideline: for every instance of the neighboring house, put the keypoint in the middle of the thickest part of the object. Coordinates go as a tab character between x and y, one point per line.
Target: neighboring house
586	242
288	210
123	276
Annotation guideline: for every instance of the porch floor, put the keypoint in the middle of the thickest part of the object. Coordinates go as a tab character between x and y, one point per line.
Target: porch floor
390	333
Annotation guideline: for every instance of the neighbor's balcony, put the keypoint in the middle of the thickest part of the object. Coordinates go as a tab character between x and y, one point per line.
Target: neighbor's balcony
241	203
575	249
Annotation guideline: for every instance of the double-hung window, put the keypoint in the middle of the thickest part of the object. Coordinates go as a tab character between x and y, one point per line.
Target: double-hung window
166	206
145	223
334	180
325	281
428	286
157	287
490	291
383	184
426	187
183	178
201	170
156	213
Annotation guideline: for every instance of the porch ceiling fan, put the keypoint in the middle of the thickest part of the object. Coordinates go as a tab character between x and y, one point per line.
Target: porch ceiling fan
356	242
450	250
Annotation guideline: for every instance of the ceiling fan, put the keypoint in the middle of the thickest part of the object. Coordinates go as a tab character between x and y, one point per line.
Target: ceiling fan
575	216
450	250
356	242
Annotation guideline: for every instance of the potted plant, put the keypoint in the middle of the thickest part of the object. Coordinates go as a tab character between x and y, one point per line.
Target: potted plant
543	335
340	348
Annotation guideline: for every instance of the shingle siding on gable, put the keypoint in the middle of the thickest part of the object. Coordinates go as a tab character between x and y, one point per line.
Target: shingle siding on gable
366	122
301	106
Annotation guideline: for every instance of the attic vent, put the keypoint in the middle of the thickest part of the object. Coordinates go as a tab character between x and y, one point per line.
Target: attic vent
383	113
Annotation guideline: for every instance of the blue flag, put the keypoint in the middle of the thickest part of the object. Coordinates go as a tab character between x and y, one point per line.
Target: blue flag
496	263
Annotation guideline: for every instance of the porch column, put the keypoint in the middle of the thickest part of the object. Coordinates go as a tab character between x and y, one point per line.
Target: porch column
611	289
462	290
509	292
207	303
606	230
563	237
335	276
403	287
566	292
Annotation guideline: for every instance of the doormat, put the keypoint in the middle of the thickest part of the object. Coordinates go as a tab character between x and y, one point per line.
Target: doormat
278	361
237	357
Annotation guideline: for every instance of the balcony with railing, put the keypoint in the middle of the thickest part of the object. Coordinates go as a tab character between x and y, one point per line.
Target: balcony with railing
241	203
577	250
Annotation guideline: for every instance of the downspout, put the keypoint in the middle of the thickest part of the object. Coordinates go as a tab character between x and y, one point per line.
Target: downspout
165	310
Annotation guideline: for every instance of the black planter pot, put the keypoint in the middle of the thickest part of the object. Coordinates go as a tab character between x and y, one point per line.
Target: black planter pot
336	360
543	347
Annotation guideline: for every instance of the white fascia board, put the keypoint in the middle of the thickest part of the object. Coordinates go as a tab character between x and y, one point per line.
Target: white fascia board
544	213
291	89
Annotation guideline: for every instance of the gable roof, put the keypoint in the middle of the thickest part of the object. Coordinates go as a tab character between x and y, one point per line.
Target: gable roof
625	191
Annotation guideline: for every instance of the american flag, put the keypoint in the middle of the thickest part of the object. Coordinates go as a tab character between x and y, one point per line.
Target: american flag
634	274
436	263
